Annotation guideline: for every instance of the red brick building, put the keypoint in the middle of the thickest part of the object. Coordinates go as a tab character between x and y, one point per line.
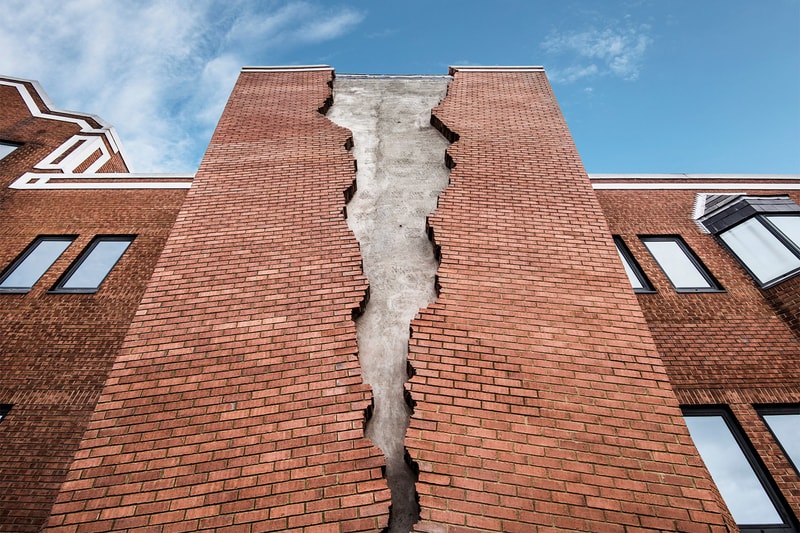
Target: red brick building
180	353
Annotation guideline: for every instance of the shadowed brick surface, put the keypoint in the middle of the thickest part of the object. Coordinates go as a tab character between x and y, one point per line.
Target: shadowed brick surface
727	348
56	349
541	402
236	402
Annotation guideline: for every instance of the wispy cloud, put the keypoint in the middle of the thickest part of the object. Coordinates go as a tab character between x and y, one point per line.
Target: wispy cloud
618	50
159	70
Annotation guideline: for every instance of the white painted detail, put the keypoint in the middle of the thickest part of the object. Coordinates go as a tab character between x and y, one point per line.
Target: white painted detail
57	181
79	148
76	118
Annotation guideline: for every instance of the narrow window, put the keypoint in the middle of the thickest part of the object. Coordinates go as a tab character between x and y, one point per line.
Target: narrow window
25	271
94	264
4	409
6	148
682	267
636	275
784	423
767	246
741	480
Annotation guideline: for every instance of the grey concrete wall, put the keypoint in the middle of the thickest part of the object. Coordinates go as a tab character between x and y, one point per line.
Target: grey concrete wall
401	172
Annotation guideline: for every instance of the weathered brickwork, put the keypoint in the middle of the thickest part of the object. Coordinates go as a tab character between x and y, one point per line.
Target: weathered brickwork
728	348
236	402
56	349
541	401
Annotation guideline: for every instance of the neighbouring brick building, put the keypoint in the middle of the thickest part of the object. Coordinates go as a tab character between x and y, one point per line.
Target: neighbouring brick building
180	353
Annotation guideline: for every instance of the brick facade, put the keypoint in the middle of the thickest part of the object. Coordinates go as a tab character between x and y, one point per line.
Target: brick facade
56	349
733	348
236	402
541	400
213	381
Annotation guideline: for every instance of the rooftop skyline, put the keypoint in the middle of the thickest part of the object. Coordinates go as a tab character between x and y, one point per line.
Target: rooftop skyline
645	86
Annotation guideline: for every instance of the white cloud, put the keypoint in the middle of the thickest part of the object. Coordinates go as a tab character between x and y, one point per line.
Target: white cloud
616	51
159	70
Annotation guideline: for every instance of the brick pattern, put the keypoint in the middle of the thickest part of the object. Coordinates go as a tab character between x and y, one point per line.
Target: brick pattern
56	349
236	402
785	298
732	348
541	402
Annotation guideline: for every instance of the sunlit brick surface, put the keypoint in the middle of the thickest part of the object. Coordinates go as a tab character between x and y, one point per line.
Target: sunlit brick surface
236	403
541	401
57	349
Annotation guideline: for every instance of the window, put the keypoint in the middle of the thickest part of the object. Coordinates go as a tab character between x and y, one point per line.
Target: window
682	267
25	271
636	276
768	246
784	423
6	148
94	264
4	409
743	483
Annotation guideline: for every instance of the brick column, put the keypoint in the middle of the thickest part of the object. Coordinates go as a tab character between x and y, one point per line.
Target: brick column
236	402
541	402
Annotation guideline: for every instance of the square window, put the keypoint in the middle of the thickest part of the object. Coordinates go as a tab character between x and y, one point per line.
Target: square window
636	275
744	484
681	266
94	264
23	273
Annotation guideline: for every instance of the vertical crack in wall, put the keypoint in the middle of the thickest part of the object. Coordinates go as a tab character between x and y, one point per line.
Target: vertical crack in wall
401	172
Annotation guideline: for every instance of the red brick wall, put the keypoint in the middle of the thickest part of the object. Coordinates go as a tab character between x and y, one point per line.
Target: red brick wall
56	349
236	402
540	398
785	298
728	348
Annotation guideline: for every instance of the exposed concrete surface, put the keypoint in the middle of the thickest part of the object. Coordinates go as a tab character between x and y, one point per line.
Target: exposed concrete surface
401	172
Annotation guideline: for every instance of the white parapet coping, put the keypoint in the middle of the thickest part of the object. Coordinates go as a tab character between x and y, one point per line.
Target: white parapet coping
287	68
58	181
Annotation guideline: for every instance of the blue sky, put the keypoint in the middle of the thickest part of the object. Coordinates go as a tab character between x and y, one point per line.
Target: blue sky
650	86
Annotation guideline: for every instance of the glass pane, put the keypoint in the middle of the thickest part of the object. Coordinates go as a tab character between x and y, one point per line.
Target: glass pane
680	270
762	252
735	478
96	266
629	271
789	226
39	259
6	149
786	429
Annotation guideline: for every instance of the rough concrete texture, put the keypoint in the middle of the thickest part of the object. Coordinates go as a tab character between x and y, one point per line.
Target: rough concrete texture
401	172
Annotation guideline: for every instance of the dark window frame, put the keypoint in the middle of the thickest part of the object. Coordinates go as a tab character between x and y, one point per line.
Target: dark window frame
636	268
759	468
790	245
715	285
779	409
17	262
59	288
4	410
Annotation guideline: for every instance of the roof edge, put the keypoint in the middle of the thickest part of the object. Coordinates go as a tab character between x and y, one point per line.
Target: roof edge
497	68
24	86
286	68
